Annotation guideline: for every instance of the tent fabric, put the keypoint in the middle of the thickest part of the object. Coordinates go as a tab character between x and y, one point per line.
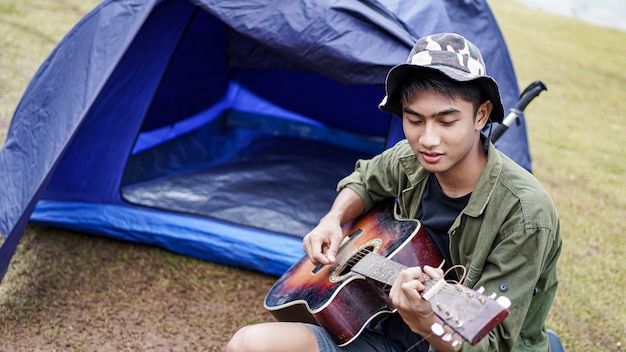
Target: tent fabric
176	122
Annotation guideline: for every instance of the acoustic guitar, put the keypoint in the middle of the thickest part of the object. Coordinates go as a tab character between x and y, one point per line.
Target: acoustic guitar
346	296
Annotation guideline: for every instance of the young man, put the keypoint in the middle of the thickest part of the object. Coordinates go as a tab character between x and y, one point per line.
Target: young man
482	210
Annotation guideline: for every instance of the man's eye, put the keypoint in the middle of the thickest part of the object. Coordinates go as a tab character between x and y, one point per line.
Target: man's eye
447	123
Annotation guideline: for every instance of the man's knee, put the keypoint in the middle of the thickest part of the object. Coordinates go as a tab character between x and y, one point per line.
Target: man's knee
273	337
239	342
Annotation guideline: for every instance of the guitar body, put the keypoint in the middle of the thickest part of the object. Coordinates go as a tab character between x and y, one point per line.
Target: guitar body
340	300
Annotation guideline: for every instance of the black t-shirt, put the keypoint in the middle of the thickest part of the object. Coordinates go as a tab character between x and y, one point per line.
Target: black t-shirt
436	214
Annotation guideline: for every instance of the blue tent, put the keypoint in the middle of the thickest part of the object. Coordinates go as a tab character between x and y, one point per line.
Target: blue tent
218	129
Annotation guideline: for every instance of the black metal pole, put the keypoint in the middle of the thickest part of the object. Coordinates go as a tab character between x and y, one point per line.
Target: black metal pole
526	97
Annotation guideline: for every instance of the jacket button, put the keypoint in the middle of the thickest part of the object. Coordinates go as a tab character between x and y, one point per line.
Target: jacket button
535	291
504	287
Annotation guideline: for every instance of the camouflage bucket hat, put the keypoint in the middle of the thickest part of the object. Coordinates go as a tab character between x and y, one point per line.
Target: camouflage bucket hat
452	55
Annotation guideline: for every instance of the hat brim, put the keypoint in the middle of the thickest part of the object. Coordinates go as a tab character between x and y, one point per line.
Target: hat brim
487	84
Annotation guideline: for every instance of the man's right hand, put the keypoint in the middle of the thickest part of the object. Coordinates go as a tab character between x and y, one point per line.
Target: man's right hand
322	243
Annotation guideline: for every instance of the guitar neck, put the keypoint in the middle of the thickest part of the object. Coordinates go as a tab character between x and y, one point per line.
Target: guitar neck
383	270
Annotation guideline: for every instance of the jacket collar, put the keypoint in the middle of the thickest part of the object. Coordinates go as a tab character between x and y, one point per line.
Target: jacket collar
486	183
484	187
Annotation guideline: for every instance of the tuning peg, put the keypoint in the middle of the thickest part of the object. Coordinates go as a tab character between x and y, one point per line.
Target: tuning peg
437	329
458	322
504	301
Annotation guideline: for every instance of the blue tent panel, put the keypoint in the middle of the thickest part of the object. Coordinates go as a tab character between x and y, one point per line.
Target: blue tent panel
240	246
217	129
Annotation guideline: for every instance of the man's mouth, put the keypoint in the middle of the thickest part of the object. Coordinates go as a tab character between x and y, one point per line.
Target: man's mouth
431	157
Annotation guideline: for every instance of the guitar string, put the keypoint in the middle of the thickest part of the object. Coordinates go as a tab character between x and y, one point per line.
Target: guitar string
424	339
456	288
358	256
418	342
431	282
458	266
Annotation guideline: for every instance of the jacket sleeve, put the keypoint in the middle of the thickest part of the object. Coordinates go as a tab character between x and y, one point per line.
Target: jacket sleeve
514	269
514	256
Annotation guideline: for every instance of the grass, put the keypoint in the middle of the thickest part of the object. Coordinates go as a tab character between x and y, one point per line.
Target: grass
29	30
576	132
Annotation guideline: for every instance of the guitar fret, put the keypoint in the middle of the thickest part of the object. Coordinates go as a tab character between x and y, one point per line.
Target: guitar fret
381	269
378	268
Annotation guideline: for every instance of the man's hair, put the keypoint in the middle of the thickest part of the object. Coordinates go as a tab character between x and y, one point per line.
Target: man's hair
413	84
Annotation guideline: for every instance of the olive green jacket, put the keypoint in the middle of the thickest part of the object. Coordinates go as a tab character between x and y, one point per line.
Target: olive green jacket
507	237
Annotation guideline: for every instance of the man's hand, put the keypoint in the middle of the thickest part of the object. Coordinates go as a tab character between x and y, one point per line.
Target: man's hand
406	296
322	243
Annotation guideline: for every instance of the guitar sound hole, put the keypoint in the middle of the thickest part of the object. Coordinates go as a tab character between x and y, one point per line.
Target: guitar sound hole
349	260
347	268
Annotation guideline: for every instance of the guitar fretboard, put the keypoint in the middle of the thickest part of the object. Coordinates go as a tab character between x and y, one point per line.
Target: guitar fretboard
378	268
383	270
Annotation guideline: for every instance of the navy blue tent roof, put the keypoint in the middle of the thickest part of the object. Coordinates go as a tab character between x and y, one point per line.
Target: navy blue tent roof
217	129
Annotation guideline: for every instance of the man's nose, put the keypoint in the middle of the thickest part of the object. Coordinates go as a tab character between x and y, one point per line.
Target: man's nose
430	136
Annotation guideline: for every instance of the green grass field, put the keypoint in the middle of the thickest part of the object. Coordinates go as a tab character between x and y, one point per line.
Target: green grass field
576	131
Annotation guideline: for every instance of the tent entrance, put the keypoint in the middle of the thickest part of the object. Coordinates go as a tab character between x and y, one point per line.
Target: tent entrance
248	169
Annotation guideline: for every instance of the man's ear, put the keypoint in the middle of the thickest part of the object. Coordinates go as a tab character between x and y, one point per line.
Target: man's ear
482	115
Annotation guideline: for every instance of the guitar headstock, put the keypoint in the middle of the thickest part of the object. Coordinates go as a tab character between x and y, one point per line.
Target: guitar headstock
469	313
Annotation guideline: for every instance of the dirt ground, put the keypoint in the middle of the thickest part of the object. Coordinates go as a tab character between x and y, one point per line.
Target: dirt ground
68	291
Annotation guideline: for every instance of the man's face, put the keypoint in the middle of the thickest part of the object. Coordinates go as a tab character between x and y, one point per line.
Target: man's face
444	133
